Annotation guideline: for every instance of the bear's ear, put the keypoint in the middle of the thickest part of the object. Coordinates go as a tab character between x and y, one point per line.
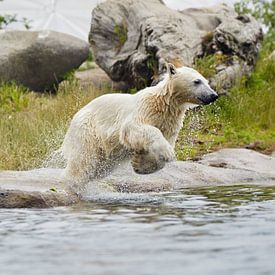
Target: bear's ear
171	69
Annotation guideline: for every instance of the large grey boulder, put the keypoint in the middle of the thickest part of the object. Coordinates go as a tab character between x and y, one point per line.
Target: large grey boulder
39	60
132	40
45	187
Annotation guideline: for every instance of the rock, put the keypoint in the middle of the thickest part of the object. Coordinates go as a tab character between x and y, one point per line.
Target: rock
132	40
44	187
39	60
224	167
38	188
96	77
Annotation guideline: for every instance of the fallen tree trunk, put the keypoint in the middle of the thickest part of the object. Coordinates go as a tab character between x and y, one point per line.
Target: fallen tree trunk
132	40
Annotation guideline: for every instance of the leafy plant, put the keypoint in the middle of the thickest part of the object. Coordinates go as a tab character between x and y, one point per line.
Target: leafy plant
70	76
262	10
7	19
13	98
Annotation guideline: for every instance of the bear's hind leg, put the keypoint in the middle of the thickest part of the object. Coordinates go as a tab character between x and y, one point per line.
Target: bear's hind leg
80	169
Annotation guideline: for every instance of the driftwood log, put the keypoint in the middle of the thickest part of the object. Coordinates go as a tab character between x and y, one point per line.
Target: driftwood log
132	40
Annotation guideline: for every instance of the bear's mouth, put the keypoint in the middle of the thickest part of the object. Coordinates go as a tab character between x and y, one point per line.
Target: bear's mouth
205	100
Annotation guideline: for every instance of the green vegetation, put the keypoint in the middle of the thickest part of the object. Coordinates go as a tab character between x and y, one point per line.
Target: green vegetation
88	64
245	118
33	125
207	65
122	33
13	98
8	19
53	189
263	10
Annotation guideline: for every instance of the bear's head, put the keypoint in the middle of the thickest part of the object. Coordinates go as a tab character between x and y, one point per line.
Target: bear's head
189	86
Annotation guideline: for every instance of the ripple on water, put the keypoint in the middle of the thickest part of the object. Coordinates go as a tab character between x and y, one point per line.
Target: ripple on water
217	230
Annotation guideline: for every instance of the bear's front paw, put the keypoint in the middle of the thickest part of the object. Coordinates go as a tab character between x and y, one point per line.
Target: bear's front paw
163	152
143	163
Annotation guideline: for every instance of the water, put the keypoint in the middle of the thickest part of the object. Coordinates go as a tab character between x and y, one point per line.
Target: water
217	230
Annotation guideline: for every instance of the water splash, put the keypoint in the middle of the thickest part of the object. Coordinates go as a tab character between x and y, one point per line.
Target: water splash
55	158
194	127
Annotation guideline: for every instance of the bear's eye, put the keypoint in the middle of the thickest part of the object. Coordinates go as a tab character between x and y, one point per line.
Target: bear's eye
197	81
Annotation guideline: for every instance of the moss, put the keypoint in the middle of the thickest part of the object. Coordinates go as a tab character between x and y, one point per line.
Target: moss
122	34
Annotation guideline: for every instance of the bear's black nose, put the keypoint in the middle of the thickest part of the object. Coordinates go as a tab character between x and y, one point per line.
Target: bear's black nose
207	99
213	97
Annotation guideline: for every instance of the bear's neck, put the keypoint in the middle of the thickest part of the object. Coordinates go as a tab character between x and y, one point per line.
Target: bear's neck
159	110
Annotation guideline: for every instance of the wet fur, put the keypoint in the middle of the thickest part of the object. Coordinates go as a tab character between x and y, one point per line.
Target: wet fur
143	127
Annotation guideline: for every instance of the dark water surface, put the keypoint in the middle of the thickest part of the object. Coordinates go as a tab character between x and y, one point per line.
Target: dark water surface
227	230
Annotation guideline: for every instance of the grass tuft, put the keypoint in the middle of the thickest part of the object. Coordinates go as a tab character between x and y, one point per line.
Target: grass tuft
13	98
33	125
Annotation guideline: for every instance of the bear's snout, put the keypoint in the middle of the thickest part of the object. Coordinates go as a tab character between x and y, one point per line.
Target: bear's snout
207	99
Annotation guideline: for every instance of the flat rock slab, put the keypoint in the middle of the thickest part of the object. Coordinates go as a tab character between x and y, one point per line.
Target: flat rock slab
45	188
224	167
39	188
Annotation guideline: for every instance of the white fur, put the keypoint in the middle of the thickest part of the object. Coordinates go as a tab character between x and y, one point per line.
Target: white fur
110	127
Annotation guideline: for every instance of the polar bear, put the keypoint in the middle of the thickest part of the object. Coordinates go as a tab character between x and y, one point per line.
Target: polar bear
143	126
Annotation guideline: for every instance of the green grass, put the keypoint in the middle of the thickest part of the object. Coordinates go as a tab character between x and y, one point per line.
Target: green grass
33	125
245	118
207	65
13	98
